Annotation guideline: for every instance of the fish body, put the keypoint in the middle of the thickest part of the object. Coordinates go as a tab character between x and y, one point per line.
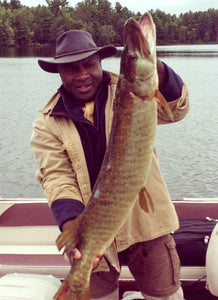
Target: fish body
127	160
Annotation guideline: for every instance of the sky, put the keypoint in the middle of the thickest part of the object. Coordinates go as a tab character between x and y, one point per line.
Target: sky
168	6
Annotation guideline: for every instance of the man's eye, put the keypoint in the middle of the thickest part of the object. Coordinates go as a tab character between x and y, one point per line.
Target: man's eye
90	64
67	68
71	69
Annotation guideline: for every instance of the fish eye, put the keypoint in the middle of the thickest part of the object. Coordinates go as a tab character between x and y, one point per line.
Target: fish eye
133	57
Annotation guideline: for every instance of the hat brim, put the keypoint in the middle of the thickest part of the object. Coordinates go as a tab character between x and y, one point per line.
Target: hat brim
51	66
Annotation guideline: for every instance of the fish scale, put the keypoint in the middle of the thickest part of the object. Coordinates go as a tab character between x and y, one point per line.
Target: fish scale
127	160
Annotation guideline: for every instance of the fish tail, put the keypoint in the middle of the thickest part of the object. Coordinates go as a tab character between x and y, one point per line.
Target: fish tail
84	296
62	293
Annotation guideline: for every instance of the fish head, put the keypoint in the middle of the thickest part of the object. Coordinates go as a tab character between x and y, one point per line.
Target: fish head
138	60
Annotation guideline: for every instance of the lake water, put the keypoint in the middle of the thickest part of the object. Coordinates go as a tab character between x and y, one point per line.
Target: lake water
187	149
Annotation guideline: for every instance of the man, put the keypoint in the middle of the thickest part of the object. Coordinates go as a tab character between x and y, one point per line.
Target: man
69	141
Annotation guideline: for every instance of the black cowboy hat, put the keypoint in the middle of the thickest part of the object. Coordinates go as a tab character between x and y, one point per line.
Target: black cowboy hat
72	46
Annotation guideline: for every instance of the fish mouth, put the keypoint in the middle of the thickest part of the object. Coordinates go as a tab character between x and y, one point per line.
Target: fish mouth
138	60
135	33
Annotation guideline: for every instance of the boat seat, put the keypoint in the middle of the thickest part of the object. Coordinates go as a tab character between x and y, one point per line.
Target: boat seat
28	232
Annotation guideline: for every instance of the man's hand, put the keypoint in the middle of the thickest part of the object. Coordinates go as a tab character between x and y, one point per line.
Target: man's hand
76	254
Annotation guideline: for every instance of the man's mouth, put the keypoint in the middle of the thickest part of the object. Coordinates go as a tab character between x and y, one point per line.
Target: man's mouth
84	88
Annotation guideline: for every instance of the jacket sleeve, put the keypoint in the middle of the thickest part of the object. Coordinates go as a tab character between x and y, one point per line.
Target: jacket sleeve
176	94
55	172
66	209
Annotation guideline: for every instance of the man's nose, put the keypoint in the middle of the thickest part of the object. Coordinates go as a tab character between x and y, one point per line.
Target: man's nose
82	73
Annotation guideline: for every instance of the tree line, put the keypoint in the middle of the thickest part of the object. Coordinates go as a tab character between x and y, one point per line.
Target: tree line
21	25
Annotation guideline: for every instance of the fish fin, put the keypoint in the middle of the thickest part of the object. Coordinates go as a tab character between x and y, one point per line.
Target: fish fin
62	293
67	238
164	103
145	201
111	255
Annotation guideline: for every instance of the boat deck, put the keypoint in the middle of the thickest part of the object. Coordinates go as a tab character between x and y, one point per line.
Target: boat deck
28	232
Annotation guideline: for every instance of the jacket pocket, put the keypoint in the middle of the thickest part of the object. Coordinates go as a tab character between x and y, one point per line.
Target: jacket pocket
174	259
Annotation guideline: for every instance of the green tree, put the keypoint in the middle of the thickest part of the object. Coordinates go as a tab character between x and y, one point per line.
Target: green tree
42	19
15	4
6	30
87	12
106	36
56	6
5	4
62	24
183	34
162	21
205	26
22	24
120	15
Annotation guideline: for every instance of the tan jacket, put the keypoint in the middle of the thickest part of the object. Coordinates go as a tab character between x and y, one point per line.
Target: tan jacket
64	174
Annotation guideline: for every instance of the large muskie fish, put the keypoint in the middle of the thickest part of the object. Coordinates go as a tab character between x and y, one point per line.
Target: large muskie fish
127	160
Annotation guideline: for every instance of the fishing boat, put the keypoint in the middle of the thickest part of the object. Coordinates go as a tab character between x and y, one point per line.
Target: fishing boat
27	247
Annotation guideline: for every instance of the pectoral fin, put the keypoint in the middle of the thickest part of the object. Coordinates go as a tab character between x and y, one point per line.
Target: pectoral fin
164	103
67	239
145	201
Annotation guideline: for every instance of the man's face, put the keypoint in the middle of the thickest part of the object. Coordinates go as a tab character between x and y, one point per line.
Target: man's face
82	79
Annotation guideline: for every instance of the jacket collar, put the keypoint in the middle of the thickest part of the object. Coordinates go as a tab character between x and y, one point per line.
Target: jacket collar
62	103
